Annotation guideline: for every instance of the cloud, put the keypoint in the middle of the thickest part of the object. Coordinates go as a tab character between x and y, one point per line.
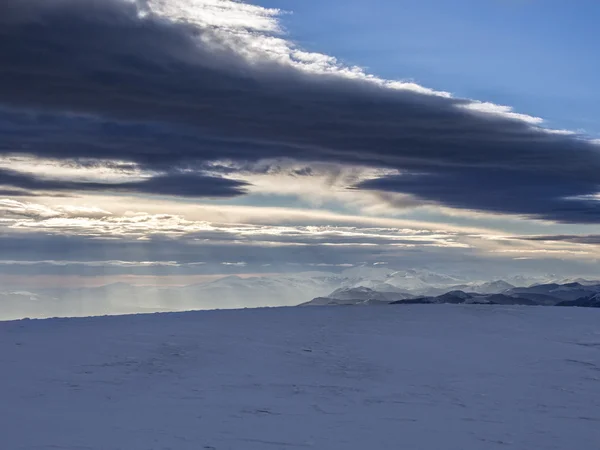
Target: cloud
38	254
95	222
547	193
65	239
75	170
177	184
165	84
98	263
591	239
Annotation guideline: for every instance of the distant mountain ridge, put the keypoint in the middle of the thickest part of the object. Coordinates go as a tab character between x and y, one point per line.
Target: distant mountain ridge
496	292
593	301
358	296
362	284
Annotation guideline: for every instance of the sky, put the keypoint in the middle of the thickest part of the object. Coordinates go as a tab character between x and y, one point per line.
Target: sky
534	56
190	139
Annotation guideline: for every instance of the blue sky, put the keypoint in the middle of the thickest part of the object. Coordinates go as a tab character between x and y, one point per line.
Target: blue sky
196	138
537	56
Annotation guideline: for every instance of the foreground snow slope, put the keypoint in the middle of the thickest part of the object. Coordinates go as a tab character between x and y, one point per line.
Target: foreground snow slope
407	377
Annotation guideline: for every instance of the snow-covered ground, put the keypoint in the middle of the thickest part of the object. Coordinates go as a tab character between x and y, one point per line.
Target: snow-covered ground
407	377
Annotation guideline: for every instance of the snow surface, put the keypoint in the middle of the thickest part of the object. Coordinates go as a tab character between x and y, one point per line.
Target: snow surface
407	377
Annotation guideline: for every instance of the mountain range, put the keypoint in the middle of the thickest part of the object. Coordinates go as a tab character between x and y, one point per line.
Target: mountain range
492	293
361	284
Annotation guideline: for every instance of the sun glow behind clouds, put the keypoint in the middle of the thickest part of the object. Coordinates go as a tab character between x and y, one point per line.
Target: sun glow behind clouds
233	16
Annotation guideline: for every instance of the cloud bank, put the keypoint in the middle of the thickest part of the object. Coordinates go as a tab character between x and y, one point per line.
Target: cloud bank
65	240
173	85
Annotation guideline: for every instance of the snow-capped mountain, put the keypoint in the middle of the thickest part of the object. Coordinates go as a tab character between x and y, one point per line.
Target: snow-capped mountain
405	280
529	280
579	280
358	296
572	294
491	287
367	272
281	290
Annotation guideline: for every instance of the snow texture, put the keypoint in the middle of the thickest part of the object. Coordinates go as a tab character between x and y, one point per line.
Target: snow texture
416	378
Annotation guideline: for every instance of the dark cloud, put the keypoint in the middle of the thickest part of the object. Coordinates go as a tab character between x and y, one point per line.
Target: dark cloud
107	82
526	192
593	239
179	184
16	193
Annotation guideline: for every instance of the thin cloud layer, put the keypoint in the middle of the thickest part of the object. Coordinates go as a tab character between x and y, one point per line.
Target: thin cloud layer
168	84
95	222
61	240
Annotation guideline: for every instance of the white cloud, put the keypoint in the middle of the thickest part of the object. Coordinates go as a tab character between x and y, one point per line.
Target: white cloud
10	208
501	110
320	183
86	221
233	16
75	170
380	234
